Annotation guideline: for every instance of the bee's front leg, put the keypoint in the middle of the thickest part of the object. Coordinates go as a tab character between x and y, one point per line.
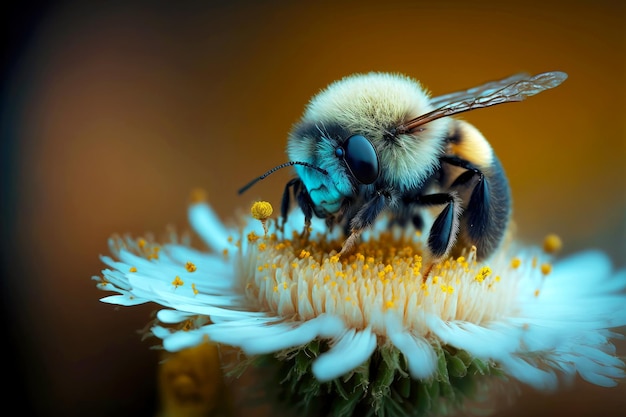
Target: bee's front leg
304	202
365	218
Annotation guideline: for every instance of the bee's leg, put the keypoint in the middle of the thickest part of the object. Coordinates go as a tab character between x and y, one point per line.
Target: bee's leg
444	230
304	202
364	218
488	209
306	205
285	202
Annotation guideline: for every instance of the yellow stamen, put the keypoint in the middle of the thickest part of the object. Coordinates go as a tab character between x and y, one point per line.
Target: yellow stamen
198	195
132	269
304	278
515	263
177	282
546	269
252	237
552	244
262	210
190	267
484	272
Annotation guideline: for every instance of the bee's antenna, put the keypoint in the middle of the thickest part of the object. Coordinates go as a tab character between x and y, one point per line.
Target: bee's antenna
276	168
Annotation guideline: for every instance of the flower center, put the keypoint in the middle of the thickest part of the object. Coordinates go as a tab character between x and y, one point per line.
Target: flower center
299	279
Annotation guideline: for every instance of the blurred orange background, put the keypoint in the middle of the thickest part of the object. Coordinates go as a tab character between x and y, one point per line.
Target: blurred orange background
114	113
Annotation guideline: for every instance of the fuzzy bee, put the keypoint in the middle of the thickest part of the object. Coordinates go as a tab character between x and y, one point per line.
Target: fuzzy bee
377	142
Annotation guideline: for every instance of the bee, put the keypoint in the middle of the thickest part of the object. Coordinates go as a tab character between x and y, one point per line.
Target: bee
378	142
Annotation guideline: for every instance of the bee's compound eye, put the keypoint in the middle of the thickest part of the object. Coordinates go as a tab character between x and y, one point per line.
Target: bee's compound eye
361	158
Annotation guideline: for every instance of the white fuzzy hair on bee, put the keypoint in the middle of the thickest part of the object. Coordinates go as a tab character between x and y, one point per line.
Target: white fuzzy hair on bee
378	142
373	103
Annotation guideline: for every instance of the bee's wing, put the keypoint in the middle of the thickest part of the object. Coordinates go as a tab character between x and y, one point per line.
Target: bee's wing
511	89
481	90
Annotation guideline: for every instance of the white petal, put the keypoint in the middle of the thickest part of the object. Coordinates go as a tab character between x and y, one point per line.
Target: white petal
420	355
183	339
287	336
529	373
173	316
482	342
350	351
125	299
160	332
206	223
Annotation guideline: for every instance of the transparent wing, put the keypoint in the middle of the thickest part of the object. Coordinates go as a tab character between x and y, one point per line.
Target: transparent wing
481	90
508	90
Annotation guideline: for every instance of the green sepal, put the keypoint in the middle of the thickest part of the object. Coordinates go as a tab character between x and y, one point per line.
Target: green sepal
380	387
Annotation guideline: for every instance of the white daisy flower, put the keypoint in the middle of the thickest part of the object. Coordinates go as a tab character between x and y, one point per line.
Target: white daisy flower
369	325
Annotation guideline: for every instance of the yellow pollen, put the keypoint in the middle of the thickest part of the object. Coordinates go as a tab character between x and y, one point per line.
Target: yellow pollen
187	325
132	269
546	269
261	210
515	263
252	237
141	243
552	244
303	278
194	289
198	195
262	246
177	282
484	272
447	289
190	267
537	293
225	253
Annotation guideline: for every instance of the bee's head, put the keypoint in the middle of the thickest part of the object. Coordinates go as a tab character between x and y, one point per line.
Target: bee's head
358	116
